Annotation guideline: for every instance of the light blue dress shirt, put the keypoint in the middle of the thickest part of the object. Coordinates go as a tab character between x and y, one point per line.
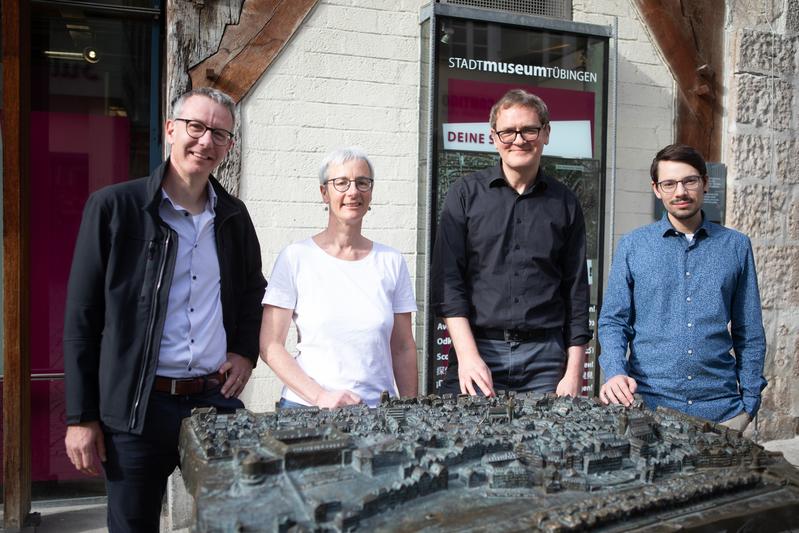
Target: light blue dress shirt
194	341
690	314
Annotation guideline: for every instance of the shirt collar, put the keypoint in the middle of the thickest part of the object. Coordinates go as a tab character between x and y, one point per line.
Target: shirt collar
497	178
667	230
210	204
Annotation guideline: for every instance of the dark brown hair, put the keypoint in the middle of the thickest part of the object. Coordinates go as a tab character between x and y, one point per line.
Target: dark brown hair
681	153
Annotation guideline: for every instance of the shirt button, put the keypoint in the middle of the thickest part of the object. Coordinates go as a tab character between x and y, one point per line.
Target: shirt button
194	277
690	378
687	274
185	213
689	324
690	402
690	352
191	310
688	299
192	341
518	221
517	246
516	300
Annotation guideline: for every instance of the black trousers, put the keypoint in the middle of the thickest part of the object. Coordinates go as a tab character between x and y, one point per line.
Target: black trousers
137	466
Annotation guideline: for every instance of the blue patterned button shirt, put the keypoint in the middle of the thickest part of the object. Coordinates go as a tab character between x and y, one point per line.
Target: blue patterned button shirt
690	314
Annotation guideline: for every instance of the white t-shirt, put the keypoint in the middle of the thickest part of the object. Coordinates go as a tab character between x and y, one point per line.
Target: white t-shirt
344	312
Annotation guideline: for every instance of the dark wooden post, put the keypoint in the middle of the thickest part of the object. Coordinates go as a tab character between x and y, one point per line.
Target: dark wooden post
16	371
690	36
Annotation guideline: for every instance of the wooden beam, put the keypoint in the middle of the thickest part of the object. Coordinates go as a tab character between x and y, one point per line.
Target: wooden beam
249	47
690	37
194	31
16	370
228	46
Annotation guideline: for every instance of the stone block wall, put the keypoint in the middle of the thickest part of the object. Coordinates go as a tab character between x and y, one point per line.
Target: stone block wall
762	150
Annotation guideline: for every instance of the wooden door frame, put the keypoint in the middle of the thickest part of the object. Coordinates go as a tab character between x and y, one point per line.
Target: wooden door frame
16	355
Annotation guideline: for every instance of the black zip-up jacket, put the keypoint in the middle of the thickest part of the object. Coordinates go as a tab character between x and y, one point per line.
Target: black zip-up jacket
118	292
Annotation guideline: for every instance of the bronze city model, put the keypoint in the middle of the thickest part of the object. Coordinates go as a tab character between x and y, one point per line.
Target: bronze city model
514	463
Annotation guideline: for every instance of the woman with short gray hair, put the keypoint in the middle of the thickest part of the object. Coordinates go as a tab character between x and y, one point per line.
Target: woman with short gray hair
350	298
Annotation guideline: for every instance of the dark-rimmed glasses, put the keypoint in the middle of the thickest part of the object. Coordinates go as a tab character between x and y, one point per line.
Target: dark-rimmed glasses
689	183
343	184
528	134
197	129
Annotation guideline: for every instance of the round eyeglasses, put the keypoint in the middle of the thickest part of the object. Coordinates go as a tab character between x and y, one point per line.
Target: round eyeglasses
528	134
690	183
343	184
197	129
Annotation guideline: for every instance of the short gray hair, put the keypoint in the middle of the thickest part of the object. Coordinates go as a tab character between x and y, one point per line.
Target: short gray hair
214	94
341	156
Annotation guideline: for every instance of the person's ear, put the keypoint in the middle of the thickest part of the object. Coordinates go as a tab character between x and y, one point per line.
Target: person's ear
656	190
169	131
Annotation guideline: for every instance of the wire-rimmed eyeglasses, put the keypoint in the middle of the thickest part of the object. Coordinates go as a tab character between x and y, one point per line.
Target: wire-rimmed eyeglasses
343	184
689	183
197	129
528	134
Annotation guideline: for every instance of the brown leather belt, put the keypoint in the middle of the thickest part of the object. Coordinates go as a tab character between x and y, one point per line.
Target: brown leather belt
188	386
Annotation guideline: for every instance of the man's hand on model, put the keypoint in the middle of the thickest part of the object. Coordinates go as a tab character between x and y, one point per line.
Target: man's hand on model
84	442
472	371
239	370
336	398
618	389
569	386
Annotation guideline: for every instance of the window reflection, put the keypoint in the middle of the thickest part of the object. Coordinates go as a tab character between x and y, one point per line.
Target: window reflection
93	99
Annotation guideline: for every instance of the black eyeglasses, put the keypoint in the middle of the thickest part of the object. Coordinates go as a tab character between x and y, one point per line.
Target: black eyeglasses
343	184
197	129
689	183
528	134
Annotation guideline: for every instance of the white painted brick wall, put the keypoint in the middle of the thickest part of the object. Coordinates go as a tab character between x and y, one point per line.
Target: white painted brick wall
350	75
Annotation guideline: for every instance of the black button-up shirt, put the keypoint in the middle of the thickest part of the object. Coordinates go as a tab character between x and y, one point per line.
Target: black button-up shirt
512	261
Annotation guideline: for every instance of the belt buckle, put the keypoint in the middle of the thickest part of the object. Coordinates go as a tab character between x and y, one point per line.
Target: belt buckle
509	335
173	386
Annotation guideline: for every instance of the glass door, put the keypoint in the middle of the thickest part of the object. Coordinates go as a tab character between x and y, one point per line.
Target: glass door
94	121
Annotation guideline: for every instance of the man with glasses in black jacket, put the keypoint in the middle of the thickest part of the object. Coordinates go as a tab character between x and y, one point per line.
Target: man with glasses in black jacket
163	312
509	274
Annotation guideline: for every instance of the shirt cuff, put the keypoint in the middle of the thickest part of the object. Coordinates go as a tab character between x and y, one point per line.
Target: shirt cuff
751	405
452	310
612	367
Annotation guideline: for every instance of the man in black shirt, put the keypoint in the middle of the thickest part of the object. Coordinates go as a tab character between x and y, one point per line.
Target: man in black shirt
509	273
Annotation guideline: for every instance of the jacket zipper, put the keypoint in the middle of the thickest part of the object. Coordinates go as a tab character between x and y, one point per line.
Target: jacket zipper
148	338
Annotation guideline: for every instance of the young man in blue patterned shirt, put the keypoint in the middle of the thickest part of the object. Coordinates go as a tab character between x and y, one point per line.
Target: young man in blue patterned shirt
682	295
